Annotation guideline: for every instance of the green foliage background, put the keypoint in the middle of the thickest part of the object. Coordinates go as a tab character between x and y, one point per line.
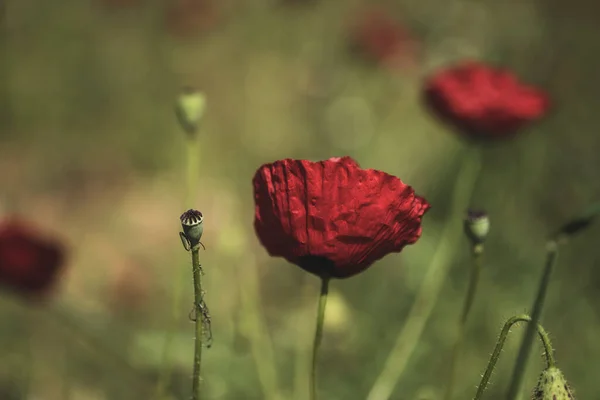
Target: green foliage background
90	150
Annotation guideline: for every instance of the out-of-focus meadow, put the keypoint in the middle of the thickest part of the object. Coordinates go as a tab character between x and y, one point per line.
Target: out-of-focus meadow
91	151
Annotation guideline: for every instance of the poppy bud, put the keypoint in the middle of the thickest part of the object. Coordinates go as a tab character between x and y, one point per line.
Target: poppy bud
477	226
552	385
191	223
190	109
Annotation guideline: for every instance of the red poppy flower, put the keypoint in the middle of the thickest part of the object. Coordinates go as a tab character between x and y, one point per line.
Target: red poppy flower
333	218
484	102
380	38
29	263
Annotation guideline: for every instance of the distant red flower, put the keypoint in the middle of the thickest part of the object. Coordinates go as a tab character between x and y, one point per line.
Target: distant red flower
29	263
332	217
384	40
190	17
482	101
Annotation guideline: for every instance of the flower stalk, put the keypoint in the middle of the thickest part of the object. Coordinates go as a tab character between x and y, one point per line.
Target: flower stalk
318	335
189	110
462	323
521	364
431	286
191	224
545	339
199	321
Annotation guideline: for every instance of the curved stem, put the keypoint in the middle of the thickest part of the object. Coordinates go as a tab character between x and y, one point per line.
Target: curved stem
545	339
469	300
431	286
199	322
318	335
192	166
538	305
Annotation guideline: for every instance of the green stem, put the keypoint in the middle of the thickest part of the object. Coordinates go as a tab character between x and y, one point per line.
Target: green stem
545	339
198	301
318	336
469	299
538	305
431	286
192	167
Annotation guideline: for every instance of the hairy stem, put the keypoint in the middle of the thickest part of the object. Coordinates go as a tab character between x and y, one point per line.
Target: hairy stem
199	322
191	179
432	282
469	300
536	312
545	339
318	336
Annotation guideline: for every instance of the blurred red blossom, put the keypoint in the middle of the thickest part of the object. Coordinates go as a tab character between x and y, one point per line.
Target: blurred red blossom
482	101
30	263
332	218
378	37
190	17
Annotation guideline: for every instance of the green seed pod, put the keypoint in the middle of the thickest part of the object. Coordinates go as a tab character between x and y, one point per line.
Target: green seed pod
477	226
552	385
190	110
191	223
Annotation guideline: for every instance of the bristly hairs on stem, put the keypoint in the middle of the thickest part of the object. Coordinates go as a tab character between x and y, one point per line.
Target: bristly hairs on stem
567	231
544	338
189	110
191	223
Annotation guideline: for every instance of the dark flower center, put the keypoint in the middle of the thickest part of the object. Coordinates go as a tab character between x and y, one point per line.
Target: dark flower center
317	265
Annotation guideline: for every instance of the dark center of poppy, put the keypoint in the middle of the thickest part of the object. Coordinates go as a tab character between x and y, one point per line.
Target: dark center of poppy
317	265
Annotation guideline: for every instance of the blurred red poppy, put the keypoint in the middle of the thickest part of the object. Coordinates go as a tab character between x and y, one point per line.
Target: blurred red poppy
29	263
380	38
333	218
482	101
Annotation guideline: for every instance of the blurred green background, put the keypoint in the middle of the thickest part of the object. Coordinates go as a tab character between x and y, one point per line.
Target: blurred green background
90	150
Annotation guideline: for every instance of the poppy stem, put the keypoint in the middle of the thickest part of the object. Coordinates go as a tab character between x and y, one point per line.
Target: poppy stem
318	335
545	339
469	300
192	167
199	321
431	286
521	363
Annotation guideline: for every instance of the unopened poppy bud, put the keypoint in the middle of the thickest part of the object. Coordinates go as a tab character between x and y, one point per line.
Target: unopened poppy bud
477	226
191	223
190	109
552	385
579	223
